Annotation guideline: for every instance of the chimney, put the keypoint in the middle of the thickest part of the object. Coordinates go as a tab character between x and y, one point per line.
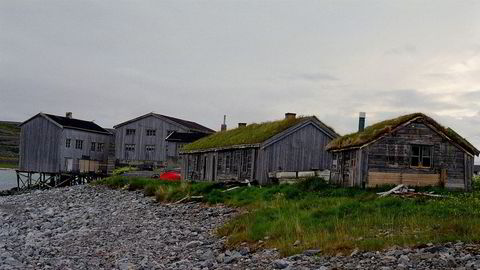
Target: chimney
224	125
289	115
361	121
242	125
69	115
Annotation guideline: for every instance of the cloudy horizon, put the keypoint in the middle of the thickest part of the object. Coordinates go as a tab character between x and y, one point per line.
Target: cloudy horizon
110	61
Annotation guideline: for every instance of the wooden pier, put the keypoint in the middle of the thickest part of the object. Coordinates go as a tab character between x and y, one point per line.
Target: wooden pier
41	180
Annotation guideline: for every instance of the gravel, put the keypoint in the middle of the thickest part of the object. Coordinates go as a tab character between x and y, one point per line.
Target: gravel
86	227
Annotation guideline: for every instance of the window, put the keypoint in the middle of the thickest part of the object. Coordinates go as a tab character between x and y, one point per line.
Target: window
392	154
100	147
421	156
151	132
227	163
68	142
130	131
92	148
220	163
129	147
78	144
150	148
334	161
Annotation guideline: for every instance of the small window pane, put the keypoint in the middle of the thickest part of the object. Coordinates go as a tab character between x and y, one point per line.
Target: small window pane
414	161
426	151
426	162
415	150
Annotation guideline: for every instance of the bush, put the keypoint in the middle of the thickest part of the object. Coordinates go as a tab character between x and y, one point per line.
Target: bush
122	170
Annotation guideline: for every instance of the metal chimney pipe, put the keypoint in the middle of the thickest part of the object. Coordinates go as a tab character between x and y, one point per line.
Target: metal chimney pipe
361	121
224	125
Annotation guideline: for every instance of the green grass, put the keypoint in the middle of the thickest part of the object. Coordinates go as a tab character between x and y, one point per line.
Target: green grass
122	170
329	218
8	165
251	134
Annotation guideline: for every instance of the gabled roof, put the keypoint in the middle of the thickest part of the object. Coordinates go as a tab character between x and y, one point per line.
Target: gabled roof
378	130
188	124
185	137
252	135
71	123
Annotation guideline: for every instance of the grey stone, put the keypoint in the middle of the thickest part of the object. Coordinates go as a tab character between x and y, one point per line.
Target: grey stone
280	264
404	259
312	252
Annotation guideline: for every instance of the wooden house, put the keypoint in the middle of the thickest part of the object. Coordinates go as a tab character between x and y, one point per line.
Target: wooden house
412	149
143	140
291	147
55	144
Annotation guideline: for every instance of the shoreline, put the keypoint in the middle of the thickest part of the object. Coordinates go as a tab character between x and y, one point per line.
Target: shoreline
8	169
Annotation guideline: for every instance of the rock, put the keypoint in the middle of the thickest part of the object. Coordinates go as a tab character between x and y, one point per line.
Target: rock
312	252
280	264
193	244
297	243
404	260
355	252
86	227
221	257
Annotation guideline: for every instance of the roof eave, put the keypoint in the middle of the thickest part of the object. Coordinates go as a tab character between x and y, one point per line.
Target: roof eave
239	146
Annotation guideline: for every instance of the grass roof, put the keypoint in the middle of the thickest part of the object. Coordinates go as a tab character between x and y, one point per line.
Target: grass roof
250	134
379	129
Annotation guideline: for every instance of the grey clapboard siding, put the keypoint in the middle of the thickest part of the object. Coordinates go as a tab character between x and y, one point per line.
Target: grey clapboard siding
163	149
303	150
39	146
85	152
43	146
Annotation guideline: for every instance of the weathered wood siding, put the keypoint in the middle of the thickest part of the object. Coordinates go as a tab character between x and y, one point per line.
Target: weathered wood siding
86	152
447	158
301	148
446	155
39	148
235	164
163	150
348	168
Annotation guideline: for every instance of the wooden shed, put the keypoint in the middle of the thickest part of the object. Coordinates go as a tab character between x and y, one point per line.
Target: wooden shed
56	144
260	152
412	149
143	139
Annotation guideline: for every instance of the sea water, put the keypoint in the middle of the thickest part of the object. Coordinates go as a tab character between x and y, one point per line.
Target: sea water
8	179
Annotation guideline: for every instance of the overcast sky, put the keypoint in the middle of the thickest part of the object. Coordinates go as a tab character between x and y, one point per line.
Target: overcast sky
110	61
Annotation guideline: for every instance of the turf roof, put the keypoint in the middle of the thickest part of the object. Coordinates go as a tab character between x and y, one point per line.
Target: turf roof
250	134
377	130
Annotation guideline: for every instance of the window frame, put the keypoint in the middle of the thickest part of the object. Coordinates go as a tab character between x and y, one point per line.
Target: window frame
100	147
129	147
79	144
130	132
151	132
68	143
421	157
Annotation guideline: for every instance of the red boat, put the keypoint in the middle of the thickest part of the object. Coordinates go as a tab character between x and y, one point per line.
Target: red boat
170	176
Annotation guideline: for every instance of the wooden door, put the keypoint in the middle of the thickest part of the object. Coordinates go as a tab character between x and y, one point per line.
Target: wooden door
69	164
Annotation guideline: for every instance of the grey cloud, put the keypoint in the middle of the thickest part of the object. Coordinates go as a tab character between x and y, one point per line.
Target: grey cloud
402	50
315	77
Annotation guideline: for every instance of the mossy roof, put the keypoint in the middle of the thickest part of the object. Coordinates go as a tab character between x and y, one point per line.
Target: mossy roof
248	135
379	129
